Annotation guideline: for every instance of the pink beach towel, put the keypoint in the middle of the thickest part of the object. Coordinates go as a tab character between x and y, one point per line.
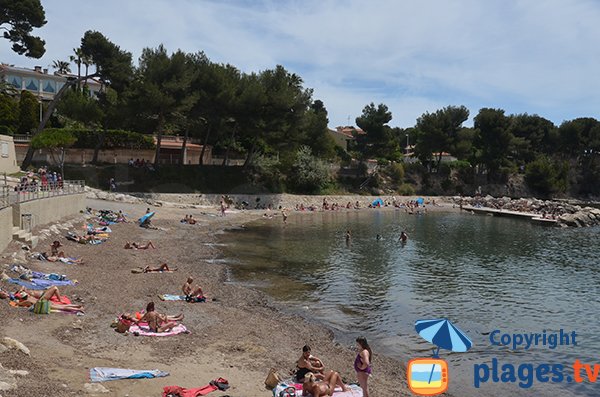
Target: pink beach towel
145	331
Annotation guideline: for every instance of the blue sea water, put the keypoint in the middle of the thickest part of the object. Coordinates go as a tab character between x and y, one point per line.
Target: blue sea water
482	273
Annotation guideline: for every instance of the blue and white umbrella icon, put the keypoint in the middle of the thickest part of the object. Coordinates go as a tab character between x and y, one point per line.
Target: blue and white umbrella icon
442	333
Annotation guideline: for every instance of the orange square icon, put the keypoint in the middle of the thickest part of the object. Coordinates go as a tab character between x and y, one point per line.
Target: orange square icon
427	376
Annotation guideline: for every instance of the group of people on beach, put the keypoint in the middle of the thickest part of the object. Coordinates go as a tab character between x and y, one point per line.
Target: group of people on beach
317	381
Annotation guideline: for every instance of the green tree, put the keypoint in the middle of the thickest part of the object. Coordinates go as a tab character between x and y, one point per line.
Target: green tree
439	132
113	66
162	89
21	17
378	140
546	176
56	141
61	67
494	139
9	111
316	131
533	135
29	113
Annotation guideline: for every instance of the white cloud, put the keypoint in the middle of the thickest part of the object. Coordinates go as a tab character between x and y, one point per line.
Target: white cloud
522	56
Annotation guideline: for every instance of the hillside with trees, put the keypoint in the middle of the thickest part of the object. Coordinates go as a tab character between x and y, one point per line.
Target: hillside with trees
273	122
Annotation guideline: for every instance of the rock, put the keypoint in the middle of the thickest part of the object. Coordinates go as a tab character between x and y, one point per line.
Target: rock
18	372
95	388
15	344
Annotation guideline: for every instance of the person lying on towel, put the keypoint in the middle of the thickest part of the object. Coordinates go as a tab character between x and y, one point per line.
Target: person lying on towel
158	322
162	268
27	298
192	294
325	387
138	246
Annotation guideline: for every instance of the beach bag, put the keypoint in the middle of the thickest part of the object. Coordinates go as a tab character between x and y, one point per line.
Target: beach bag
273	378
123	325
42	306
288	392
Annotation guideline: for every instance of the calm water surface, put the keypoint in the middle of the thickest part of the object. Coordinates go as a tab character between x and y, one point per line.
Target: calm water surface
483	273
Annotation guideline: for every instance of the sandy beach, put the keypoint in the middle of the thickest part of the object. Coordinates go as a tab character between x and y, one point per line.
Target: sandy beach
238	336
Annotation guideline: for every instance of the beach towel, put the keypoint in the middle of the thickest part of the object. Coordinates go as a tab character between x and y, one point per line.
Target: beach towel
174	298
145	331
178	391
103	374
355	390
169	297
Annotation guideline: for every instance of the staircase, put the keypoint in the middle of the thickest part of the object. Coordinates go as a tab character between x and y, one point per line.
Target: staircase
24	237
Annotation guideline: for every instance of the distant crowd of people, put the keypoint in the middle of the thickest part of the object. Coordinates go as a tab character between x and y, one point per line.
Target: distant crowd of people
43	180
137	163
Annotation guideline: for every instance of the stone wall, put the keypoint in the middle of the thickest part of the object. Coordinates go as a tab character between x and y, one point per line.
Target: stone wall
49	209
6	225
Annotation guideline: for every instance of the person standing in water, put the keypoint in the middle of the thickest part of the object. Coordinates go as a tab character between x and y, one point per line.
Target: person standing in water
403	236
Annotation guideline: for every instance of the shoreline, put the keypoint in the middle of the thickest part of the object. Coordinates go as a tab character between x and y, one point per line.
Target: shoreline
239	337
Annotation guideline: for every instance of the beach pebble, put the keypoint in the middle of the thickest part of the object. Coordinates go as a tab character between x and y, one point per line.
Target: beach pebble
15	344
95	388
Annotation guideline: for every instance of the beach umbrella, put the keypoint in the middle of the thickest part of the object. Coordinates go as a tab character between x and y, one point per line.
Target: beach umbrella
442	333
378	202
146	217
420	200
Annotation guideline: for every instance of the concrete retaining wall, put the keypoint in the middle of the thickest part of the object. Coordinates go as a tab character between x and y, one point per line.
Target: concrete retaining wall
6	225
48	210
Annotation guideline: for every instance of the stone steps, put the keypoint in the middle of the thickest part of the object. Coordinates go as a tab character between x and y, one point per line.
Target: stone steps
24	236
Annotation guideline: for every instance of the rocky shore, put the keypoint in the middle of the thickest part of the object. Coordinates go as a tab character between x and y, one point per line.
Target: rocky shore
567	213
239	336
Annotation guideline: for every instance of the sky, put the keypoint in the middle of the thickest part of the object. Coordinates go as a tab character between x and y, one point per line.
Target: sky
535	57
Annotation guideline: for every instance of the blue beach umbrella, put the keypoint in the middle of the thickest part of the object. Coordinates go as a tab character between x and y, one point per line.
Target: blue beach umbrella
146	217
420	200
442	333
378	202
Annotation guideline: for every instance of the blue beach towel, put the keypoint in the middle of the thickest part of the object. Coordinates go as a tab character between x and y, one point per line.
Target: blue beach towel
170	297
103	374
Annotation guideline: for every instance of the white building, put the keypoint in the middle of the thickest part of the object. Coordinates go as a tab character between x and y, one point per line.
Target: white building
39	82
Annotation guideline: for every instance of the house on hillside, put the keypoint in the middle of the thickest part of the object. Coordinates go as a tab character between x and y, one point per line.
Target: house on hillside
343	135
40	83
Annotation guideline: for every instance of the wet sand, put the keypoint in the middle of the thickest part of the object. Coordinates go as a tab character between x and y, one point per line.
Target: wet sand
239	336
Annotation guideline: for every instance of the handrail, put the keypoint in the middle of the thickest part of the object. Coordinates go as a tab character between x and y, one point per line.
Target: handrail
23	193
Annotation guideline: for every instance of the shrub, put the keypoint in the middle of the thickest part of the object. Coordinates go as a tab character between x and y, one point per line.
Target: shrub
395	172
308	174
406	190
114	139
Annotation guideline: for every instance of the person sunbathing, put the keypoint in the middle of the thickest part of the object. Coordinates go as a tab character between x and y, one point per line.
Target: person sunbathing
138	246
27	298
54	249
82	239
192	294
60	258
325	387
162	268
159	322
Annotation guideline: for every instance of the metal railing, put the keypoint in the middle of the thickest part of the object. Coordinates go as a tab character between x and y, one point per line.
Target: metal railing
5	196
23	193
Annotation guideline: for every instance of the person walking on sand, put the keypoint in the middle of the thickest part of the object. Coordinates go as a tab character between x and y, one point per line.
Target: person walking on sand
284	215
362	364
